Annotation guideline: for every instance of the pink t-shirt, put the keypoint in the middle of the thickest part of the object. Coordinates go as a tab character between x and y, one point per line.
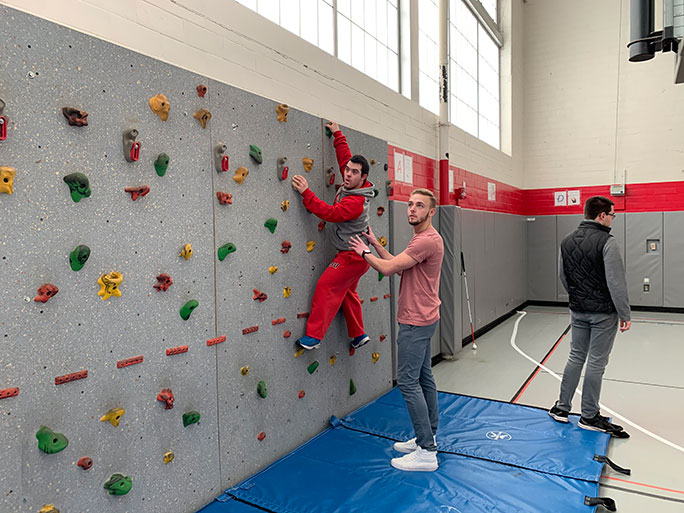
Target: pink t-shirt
419	289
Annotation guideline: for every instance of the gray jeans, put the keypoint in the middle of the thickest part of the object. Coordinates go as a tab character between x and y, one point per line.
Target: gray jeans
415	381
593	335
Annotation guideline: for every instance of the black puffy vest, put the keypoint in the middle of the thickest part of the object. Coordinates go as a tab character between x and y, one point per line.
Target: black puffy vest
585	272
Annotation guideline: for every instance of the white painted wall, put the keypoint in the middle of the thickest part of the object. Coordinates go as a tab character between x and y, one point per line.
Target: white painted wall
589	114
228	42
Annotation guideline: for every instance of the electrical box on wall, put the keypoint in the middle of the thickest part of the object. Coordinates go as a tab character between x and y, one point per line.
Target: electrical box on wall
617	190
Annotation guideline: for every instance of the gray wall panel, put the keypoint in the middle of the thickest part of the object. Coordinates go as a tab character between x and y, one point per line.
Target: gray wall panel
487	290
673	259
541	258
450	287
472	240
565	224
510	267
643	264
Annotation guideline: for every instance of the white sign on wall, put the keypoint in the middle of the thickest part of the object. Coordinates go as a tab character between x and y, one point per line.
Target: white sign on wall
451	180
560	199
408	169
398	167
573	197
491	191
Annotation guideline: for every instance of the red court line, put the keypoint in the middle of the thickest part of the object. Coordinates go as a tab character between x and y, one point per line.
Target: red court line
642	484
548	355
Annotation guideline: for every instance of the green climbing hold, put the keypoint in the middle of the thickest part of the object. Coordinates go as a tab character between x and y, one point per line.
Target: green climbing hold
271	224
352	387
226	250
328	132
190	417
161	164
312	368
78	257
261	389
375	193
118	484
78	185
380	276
50	442
255	153
187	309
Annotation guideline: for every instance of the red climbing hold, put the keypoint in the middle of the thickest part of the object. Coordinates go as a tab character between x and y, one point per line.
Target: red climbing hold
301	394
386	296
278	321
382	337
166	397
302	315
201	90
261	436
251	329
9	392
129	361
224	198
361	301
259	296
136	192
351	351
217	340
374	298
176	350
381	210
60	380
45	292
85	463
321	226
286	246
287	334
165	282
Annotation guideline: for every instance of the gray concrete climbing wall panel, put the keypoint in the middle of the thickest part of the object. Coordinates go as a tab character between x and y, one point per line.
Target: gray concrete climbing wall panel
644	252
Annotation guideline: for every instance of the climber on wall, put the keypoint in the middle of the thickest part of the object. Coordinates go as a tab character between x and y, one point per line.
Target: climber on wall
337	285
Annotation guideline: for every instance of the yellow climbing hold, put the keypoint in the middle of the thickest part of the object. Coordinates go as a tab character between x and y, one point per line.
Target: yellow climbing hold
113	416
383	241
168	457
285	205
48	508
333	358
273	269
244	370
186	252
299	352
7	175
310	245
110	285
202	116
376	357
287	291
307	163
160	106
281	112
240	174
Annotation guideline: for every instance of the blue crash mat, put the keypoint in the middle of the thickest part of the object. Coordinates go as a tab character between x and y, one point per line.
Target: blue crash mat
345	471
513	434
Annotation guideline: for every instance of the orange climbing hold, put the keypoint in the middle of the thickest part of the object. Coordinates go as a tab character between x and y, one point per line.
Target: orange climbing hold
9	392
281	112
217	340
166	397
375	357
160	106
299	352
374	298
60	380
387	296
278	321
244	370
307	163
261	436
251	329
136	192
129	361
224	198
259	296
287	334
45	292
176	350
310	245
240	174
7	175
202	116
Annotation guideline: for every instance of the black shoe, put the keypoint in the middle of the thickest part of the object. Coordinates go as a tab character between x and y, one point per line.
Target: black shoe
558	415
597	423
615	426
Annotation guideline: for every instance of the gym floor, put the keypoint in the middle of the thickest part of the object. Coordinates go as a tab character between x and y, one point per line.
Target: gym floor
643	383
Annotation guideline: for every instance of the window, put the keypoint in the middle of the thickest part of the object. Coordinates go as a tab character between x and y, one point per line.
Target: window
474	70
428	54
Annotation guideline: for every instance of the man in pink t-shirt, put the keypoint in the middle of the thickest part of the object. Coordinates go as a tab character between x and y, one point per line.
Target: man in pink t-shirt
420	265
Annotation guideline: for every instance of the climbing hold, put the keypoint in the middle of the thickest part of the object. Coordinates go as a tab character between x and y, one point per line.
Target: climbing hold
176	350
321	226
9	392
78	257
285	246
7	175
190	417
226	250
352	350
382	337
261	436
244	370
273	269
302	315
328	132
352	387
271	224
136	192
255	153
113	416
279	320
310	245
201	90
285	205
75	117
45	292
50	442
372	162
287	334
118	484
283	168
332	359
375	193
186	252
301	394
281	112
387	296
251	329
380	276
217	340
60	380
312	367
375	357
164	282
166	397
261	389
3	122
259	296
287	291
240	174
168	457
130	145
78	185
160	106
299	352
161	164
85	463
224	198
202	116
187	309
127	362
381	210
383	241
307	163
330	176
374	298
48	508
389	187
221	160
110	285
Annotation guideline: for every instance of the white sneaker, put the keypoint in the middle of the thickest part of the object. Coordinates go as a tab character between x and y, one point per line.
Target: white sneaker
419	460
409	445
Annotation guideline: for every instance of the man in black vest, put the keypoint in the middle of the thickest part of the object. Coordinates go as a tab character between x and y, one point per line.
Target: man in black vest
592	272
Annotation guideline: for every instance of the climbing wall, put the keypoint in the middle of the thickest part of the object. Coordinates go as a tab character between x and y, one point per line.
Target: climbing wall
136	345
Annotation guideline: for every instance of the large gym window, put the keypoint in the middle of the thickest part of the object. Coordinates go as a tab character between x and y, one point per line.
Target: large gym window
428	54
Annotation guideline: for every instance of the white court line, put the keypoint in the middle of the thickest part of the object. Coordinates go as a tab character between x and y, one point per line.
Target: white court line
611	412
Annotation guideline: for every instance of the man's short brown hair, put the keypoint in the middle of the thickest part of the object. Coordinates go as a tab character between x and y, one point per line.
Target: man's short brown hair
425	192
595	205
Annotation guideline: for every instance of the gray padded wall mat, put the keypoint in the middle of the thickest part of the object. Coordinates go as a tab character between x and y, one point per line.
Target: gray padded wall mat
641	230
673	258
542	261
510	249
450	285
472	242
565	224
47	67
